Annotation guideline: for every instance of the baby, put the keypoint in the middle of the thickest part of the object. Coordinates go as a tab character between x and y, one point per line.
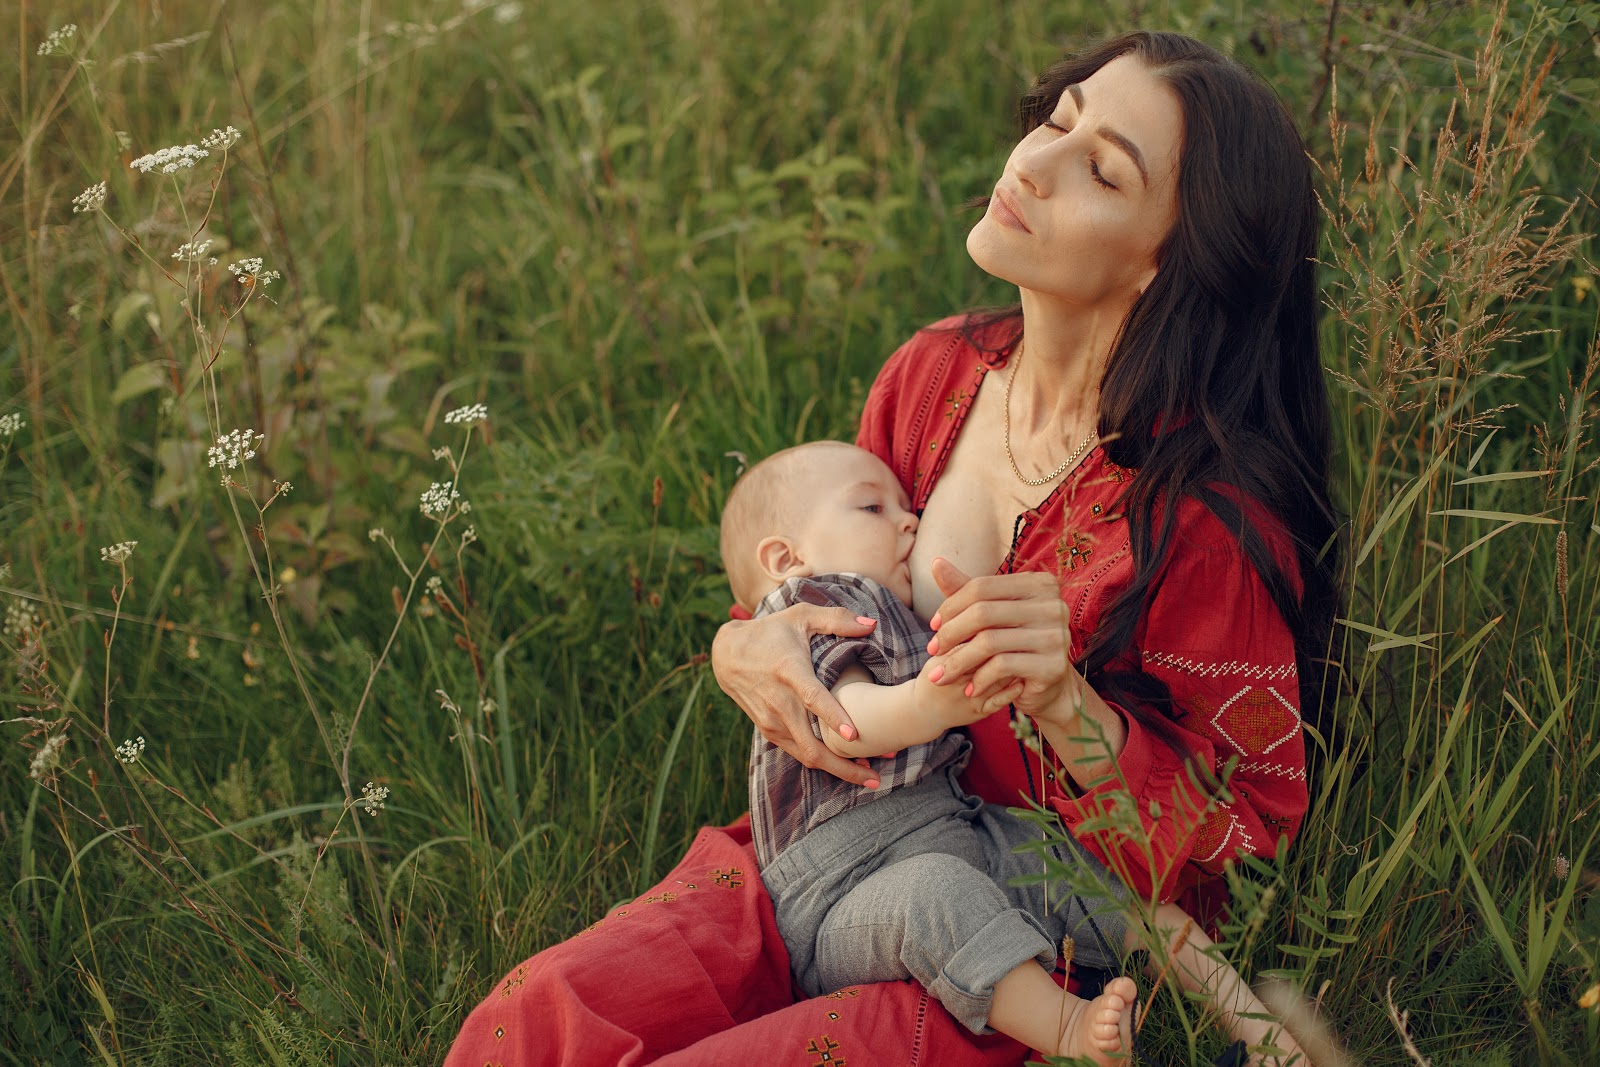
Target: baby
912	878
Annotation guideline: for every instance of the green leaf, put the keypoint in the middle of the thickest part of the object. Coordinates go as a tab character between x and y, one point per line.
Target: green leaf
137	381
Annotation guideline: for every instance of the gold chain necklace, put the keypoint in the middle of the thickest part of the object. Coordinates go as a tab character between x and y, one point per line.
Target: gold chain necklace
1066	464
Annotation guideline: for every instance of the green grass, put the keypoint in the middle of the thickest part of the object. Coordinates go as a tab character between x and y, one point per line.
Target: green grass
648	235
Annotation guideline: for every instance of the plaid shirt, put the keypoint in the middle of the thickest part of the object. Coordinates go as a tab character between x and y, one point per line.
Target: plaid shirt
789	799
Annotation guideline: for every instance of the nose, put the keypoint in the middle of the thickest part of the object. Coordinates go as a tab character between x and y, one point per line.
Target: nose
909	522
1035	163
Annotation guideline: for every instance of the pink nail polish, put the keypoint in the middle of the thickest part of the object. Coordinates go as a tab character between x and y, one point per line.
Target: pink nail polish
864	621
935	622
935	674
968	689
872	783
933	646
847	732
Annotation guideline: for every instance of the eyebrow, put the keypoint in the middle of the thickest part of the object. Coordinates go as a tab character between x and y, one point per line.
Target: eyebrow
1115	138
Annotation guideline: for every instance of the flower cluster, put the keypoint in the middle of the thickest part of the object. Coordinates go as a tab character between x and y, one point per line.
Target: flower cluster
221	140
119	552
91	199
438	497
56	43
192	251
170	160
130	751
233	448
470	413
249	272
434	585
10	424
372	798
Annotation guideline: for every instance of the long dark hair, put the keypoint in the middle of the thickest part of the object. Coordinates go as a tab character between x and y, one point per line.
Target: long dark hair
1214	388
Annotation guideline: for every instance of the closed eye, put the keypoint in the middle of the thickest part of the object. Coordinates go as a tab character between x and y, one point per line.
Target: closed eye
1094	168
876	509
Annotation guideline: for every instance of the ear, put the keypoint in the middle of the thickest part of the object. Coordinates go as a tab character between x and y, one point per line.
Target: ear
780	559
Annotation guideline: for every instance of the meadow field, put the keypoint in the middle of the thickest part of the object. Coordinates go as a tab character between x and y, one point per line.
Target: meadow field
360	468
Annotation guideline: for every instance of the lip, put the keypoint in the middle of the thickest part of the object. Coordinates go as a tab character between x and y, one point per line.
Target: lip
1005	213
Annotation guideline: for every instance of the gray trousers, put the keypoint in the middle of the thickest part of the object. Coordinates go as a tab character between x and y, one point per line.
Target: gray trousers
916	885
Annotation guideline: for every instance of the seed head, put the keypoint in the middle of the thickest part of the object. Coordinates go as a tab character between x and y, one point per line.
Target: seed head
48	758
1561	867
118	553
91	199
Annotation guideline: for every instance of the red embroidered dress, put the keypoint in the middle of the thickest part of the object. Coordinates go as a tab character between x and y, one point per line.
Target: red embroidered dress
694	972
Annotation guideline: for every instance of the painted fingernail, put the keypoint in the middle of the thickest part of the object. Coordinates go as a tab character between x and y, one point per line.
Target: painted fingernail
935	622
871	783
968	689
864	621
933	646
935	674
847	732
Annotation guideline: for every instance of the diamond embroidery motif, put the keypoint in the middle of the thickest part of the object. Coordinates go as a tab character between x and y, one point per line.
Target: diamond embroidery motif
1256	720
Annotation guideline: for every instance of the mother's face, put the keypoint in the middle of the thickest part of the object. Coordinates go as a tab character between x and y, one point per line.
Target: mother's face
1088	197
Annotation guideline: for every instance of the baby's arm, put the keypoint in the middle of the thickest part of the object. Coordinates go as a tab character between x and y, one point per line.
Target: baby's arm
892	717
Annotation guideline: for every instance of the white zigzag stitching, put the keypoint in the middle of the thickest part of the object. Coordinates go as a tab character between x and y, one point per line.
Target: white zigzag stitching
1280	770
1217	670
1233	825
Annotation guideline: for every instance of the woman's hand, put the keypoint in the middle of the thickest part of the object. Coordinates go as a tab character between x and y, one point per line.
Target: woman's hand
764	665
1005	628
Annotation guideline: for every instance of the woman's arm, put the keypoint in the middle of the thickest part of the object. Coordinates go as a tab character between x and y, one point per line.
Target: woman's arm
1161	813
764	665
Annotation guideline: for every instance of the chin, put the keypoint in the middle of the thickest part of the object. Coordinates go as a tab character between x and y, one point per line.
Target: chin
986	249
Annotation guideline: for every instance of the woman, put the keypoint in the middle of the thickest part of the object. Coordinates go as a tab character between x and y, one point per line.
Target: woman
1134	462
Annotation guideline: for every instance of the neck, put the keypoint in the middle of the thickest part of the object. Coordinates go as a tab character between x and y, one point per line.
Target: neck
1057	384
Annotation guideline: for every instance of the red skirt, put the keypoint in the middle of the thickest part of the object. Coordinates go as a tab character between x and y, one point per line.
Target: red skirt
695	973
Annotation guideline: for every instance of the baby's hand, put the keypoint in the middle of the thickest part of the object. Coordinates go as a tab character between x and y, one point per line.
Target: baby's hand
950	706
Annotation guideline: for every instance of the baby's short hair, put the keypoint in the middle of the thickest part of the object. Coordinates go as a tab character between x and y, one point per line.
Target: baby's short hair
769	498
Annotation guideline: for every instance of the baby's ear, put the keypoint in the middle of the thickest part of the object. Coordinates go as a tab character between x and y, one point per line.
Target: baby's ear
780	560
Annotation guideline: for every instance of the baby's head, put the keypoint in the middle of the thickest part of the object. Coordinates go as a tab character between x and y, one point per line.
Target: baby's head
817	508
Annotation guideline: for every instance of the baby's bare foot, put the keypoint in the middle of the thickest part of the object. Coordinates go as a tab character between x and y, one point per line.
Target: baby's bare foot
1100	1030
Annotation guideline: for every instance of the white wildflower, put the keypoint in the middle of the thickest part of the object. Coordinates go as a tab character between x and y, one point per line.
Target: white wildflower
91	199
21	619
249	272
376	534
56	43
118	553
469	535
372	798
11	423
234	448
438	497
221	140
170	160
48	758
442	452
506	14
192	251
487	706
470	413
130	751
434	585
